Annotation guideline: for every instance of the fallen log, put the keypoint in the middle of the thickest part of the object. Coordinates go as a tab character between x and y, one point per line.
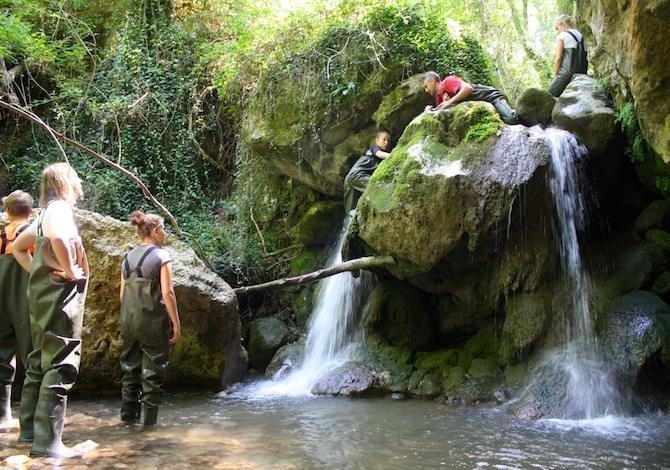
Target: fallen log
351	265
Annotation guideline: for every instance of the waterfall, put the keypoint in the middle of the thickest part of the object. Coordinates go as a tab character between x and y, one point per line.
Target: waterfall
589	390
335	330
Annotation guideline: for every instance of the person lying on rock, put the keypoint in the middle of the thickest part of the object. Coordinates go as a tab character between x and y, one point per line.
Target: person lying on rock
453	90
359	176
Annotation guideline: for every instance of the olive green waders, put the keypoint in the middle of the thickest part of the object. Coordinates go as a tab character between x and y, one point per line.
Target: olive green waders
497	99
574	61
145	326
14	333
56	316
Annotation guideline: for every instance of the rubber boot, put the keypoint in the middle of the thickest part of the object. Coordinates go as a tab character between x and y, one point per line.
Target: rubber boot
29	397
130	412
48	427
150	415
5	405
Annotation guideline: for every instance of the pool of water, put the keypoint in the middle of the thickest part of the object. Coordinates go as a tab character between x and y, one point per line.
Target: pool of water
238	430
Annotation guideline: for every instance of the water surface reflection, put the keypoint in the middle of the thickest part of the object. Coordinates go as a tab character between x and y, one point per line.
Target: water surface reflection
238	431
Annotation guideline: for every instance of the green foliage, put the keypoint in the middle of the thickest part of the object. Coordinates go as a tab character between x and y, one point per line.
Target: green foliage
637	149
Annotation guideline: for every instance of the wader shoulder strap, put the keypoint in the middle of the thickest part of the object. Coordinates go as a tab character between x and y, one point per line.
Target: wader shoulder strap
580	42
138	268
6	243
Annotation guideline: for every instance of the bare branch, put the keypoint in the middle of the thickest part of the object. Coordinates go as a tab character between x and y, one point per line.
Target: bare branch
351	265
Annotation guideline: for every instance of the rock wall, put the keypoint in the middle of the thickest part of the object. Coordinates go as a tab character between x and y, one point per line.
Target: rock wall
629	49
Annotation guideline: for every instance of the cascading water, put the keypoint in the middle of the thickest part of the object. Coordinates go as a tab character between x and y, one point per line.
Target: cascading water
335	331
589	390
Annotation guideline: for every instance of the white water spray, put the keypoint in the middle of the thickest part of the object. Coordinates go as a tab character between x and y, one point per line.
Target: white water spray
589	382
335	331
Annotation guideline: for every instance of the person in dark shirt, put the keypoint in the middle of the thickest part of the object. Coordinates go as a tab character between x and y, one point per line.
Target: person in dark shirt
359	176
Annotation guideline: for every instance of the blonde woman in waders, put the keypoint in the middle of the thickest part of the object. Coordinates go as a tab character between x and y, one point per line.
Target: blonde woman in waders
56	293
148	307
14	318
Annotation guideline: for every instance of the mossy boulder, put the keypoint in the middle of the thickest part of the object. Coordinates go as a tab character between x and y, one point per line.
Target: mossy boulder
399	314
655	215
526	318
321	223
286	360
534	106
434	179
266	336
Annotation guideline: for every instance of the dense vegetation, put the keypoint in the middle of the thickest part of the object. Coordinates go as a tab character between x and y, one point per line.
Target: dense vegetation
160	86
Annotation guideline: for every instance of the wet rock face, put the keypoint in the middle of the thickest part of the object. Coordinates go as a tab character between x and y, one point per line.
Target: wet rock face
628	47
209	354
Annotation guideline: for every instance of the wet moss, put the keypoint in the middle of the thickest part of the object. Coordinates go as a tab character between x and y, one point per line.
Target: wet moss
438	363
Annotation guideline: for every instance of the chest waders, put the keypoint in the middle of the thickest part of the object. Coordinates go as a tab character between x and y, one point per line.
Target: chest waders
574	61
56	317
358	178
497	99
14	321
145	326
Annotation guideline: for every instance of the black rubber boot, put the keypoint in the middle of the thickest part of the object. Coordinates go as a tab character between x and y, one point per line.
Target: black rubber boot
150	415
48	427
5	405
130	412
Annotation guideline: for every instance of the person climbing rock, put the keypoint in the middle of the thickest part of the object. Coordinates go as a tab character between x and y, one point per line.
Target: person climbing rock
14	317
359	176
570	55
453	90
148	307
56	294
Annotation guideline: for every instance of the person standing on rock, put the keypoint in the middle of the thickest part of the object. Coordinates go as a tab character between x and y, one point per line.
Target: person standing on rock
359	176
148	307
570	55
453	90
14	317
56	294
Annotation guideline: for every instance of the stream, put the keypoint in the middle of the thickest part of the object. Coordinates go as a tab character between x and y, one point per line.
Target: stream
239	430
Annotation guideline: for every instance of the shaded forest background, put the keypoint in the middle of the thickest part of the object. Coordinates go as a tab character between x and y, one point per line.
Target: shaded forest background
160	87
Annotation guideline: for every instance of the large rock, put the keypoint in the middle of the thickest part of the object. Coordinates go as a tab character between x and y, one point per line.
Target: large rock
266	336
534	106
434	182
209	354
352	378
629	48
585	110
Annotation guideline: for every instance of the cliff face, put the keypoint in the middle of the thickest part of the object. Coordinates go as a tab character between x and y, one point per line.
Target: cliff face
629	49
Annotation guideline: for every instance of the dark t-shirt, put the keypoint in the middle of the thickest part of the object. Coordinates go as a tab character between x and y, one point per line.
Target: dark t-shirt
368	163
151	267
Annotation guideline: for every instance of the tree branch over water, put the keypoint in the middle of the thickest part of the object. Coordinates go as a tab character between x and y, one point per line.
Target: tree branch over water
25	113
351	265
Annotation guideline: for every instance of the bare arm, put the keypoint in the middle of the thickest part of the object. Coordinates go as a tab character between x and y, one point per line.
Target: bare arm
559	56
167	290
123	284
21	247
463	92
71	270
381	154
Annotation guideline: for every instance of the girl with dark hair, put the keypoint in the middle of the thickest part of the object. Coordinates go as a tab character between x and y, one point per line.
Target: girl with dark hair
148	307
